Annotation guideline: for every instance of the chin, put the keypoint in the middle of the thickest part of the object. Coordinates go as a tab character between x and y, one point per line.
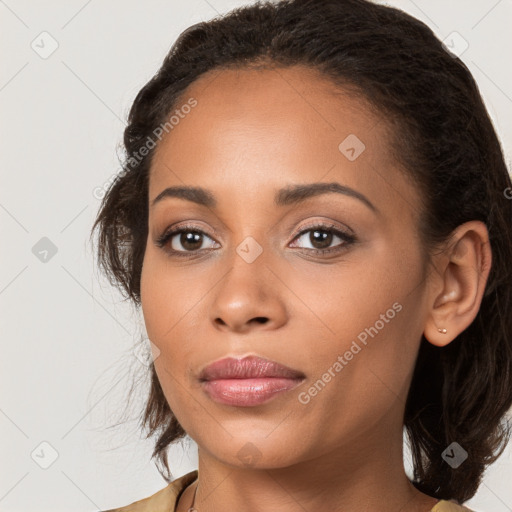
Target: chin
257	453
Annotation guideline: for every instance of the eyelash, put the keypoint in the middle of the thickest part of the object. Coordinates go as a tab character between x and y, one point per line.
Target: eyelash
347	238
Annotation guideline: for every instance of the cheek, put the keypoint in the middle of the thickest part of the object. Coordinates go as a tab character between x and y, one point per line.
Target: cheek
164	305
154	297
171	302
371	318
347	297
168	293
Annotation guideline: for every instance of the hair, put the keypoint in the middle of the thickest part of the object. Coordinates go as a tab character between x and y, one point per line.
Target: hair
444	141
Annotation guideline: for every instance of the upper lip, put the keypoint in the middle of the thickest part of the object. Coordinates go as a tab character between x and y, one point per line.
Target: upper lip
249	367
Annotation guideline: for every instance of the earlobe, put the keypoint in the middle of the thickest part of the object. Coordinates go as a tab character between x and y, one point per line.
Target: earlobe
458	285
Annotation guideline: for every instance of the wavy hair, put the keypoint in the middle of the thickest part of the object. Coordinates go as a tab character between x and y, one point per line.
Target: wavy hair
445	142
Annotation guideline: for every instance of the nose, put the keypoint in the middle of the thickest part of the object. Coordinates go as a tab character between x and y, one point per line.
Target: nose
248	297
238	324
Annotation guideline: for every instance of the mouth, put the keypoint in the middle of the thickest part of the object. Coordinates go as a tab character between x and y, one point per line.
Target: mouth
247	382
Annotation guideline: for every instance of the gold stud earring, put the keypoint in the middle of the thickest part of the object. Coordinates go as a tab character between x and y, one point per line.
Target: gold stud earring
444	331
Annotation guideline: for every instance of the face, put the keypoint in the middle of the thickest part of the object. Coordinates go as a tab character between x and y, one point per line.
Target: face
330	283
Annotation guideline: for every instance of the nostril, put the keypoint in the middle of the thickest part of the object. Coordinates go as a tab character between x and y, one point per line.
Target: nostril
261	319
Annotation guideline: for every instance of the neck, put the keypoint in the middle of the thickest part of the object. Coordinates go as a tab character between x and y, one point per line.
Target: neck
354	477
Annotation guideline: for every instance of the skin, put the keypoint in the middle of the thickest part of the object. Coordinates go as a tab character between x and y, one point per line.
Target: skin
251	133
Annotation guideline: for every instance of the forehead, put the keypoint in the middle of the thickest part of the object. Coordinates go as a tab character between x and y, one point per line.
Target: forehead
257	130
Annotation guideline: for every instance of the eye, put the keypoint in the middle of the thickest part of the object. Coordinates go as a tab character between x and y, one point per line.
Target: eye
321	236
317	239
185	239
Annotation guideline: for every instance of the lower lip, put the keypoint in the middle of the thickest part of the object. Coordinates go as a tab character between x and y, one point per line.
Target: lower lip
247	392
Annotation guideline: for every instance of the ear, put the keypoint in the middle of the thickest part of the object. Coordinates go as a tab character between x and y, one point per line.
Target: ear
458	282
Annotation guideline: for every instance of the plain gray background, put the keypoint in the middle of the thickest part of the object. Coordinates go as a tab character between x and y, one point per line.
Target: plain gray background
70	348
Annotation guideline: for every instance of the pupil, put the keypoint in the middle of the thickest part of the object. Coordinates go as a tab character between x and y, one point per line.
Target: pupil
321	237
189	238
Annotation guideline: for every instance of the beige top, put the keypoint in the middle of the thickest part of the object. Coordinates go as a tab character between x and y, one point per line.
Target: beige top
165	499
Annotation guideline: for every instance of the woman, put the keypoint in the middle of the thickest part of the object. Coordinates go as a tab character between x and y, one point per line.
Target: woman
313	218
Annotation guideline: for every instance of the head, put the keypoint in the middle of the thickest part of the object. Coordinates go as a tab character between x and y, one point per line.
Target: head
408	234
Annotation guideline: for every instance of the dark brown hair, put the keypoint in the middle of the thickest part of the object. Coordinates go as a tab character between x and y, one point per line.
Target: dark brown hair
444	141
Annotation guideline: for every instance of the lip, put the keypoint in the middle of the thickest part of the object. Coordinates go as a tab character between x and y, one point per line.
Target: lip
247	382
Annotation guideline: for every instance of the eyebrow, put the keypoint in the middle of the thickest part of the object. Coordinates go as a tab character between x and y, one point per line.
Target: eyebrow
292	194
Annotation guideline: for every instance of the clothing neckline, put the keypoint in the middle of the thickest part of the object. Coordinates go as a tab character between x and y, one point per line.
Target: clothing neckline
193	476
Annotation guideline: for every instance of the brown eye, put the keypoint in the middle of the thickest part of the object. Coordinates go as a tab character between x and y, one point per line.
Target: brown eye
189	240
185	240
320	239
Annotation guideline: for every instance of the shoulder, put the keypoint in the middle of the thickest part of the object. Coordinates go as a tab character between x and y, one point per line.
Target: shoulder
450	506
162	501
